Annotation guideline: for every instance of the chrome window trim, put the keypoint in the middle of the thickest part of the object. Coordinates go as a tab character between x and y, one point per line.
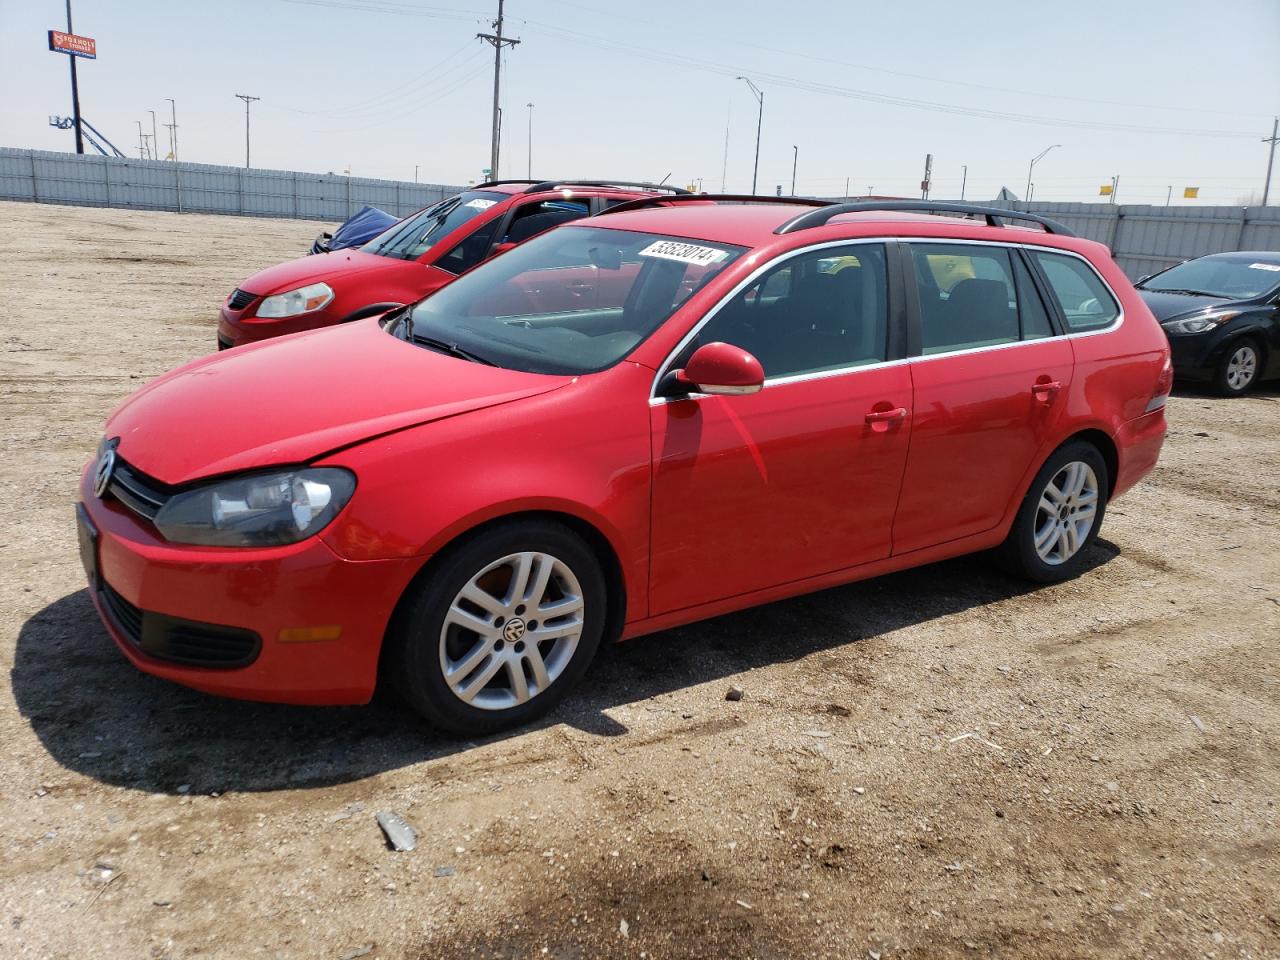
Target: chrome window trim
665	366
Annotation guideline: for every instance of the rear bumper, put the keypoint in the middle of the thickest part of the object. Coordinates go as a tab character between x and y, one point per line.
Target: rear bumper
265	592
1138	445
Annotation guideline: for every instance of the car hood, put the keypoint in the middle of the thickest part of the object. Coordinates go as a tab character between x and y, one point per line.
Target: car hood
321	266
1166	306
292	399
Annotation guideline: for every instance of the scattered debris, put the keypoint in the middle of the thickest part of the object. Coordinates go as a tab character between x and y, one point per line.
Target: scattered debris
955	867
1112	786
859	790
624	929
744	905
735	694
1198	724
399	834
445	871
976	736
817	733
184	788
361	951
839	710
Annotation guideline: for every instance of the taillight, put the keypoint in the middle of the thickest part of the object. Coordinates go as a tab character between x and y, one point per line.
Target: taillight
1164	384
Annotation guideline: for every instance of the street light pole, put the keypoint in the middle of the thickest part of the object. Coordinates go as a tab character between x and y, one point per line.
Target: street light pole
173	128
155	141
795	159
1271	158
759	95
142	147
1034	160
247	100
530	170
964	178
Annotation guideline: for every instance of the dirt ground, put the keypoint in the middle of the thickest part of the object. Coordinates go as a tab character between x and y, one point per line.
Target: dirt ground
940	763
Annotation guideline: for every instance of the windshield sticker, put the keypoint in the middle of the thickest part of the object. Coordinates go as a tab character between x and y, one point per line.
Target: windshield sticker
684	252
480	203
1273	267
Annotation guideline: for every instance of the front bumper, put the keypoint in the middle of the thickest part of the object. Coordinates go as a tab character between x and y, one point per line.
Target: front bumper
271	592
1195	356
235	329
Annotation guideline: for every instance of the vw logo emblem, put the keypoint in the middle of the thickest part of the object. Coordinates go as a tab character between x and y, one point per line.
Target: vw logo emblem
514	630
102	472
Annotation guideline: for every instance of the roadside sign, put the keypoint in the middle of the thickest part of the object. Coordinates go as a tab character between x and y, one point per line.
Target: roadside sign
1191	193
73	44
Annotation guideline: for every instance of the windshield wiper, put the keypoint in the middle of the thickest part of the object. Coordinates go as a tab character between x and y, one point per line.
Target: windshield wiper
1189	293
445	346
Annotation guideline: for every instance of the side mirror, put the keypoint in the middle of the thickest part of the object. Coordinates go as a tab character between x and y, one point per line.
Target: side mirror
718	368
501	248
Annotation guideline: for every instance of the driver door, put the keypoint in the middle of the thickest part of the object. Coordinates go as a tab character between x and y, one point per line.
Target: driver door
801	478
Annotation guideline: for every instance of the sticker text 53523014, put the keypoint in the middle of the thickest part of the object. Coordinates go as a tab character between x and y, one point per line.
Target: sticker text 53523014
684	252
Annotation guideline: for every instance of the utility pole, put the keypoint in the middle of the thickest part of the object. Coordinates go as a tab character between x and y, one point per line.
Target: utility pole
1271	156
1168	197
846	187
415	173
173	129
498	41
529	172
795	159
724	163
247	100
964	178
75	90
928	173
759	95
142	147
1115	188
155	141
1034	160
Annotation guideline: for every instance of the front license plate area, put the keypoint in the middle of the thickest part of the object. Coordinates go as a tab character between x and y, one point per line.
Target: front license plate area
88	536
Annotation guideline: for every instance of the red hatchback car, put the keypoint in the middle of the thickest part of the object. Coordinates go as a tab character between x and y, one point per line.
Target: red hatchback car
762	399
415	257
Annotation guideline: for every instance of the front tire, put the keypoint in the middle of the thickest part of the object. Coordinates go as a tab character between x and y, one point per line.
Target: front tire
1239	369
498	631
1060	516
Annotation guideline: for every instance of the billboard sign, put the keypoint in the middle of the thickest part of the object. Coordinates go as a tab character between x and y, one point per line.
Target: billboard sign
76	46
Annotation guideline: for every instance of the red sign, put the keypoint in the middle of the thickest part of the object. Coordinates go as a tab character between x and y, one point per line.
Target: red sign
77	46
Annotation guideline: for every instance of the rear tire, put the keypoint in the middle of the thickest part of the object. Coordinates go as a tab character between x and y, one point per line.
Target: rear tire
499	629
1060	517
1239	369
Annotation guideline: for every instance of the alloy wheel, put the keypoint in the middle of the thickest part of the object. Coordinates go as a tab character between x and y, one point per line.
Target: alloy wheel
511	631
1066	513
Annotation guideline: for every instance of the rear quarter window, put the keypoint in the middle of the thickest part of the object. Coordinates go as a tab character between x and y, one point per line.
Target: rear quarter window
1085	301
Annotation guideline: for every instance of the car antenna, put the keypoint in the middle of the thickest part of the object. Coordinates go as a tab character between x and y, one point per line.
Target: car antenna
665	179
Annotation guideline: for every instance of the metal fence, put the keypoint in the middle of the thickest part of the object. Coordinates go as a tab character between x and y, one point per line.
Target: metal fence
1144	239
48	177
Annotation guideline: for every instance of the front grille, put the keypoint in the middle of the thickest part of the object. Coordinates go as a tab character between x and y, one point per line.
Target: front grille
140	493
186	642
240	299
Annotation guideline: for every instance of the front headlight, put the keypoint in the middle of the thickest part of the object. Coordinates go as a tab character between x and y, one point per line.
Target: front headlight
1200	323
302	300
259	510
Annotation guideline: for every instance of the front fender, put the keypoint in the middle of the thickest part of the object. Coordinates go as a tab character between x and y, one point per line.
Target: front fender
582	450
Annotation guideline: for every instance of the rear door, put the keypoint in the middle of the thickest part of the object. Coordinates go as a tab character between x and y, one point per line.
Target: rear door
990	378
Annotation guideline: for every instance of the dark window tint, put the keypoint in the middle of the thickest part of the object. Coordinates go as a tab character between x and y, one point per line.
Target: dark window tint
1085	301
1031	310
967	296
533	218
819	311
469	251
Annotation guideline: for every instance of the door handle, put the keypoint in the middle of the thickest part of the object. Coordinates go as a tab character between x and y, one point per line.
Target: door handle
887	416
1046	390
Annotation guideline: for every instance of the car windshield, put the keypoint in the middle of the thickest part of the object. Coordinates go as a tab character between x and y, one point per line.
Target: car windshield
415	235
1234	279
573	300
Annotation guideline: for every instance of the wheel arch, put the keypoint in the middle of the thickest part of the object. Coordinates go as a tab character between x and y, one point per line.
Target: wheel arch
1104	444
596	540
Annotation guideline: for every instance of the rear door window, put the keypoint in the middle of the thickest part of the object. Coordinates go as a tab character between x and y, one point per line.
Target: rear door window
1084	299
968	297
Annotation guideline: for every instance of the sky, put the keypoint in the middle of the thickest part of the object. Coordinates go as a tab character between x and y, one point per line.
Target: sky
1160	94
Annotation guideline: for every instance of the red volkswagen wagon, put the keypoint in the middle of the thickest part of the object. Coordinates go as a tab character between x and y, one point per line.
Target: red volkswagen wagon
415	257
763	399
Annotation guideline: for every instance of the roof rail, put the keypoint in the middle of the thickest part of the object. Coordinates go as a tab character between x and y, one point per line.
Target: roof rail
552	184
641	202
994	215
499	183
